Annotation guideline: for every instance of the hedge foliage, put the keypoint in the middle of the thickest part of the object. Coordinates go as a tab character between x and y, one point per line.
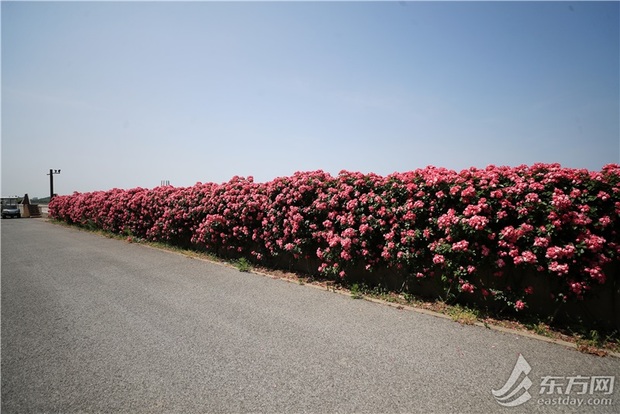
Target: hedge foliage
560	223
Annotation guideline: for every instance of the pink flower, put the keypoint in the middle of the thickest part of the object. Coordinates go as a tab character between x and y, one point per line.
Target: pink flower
560	200
529	257
595	243
472	210
345	243
468	192
603	195
345	255
596	273
560	269
556	252
478	222
460	246
575	288
447	220
532	198
439	259
467	287
519	305
541	242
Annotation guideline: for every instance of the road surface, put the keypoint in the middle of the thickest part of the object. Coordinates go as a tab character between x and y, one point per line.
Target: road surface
92	324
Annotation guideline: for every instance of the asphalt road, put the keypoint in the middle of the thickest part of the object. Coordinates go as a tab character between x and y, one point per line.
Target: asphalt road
91	324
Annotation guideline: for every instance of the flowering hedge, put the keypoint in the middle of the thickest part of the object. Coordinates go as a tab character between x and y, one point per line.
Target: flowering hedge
558	223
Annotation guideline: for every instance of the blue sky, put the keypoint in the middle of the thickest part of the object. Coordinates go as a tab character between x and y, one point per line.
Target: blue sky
126	94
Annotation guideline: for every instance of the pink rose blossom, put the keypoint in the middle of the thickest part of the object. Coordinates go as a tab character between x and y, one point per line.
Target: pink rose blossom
460	246
438	259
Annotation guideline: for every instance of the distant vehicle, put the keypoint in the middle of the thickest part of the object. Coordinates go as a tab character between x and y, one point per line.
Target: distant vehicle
11	211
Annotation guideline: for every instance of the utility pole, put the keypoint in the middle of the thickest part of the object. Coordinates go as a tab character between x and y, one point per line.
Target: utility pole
51	174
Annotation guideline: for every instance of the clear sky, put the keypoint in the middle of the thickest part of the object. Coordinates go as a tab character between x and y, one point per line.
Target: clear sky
126	94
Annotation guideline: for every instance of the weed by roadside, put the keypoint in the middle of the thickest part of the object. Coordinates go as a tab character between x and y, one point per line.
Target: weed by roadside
539	328
243	265
463	314
356	292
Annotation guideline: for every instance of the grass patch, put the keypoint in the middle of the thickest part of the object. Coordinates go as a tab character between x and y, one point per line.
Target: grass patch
462	314
356	291
539	328
593	342
243	265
